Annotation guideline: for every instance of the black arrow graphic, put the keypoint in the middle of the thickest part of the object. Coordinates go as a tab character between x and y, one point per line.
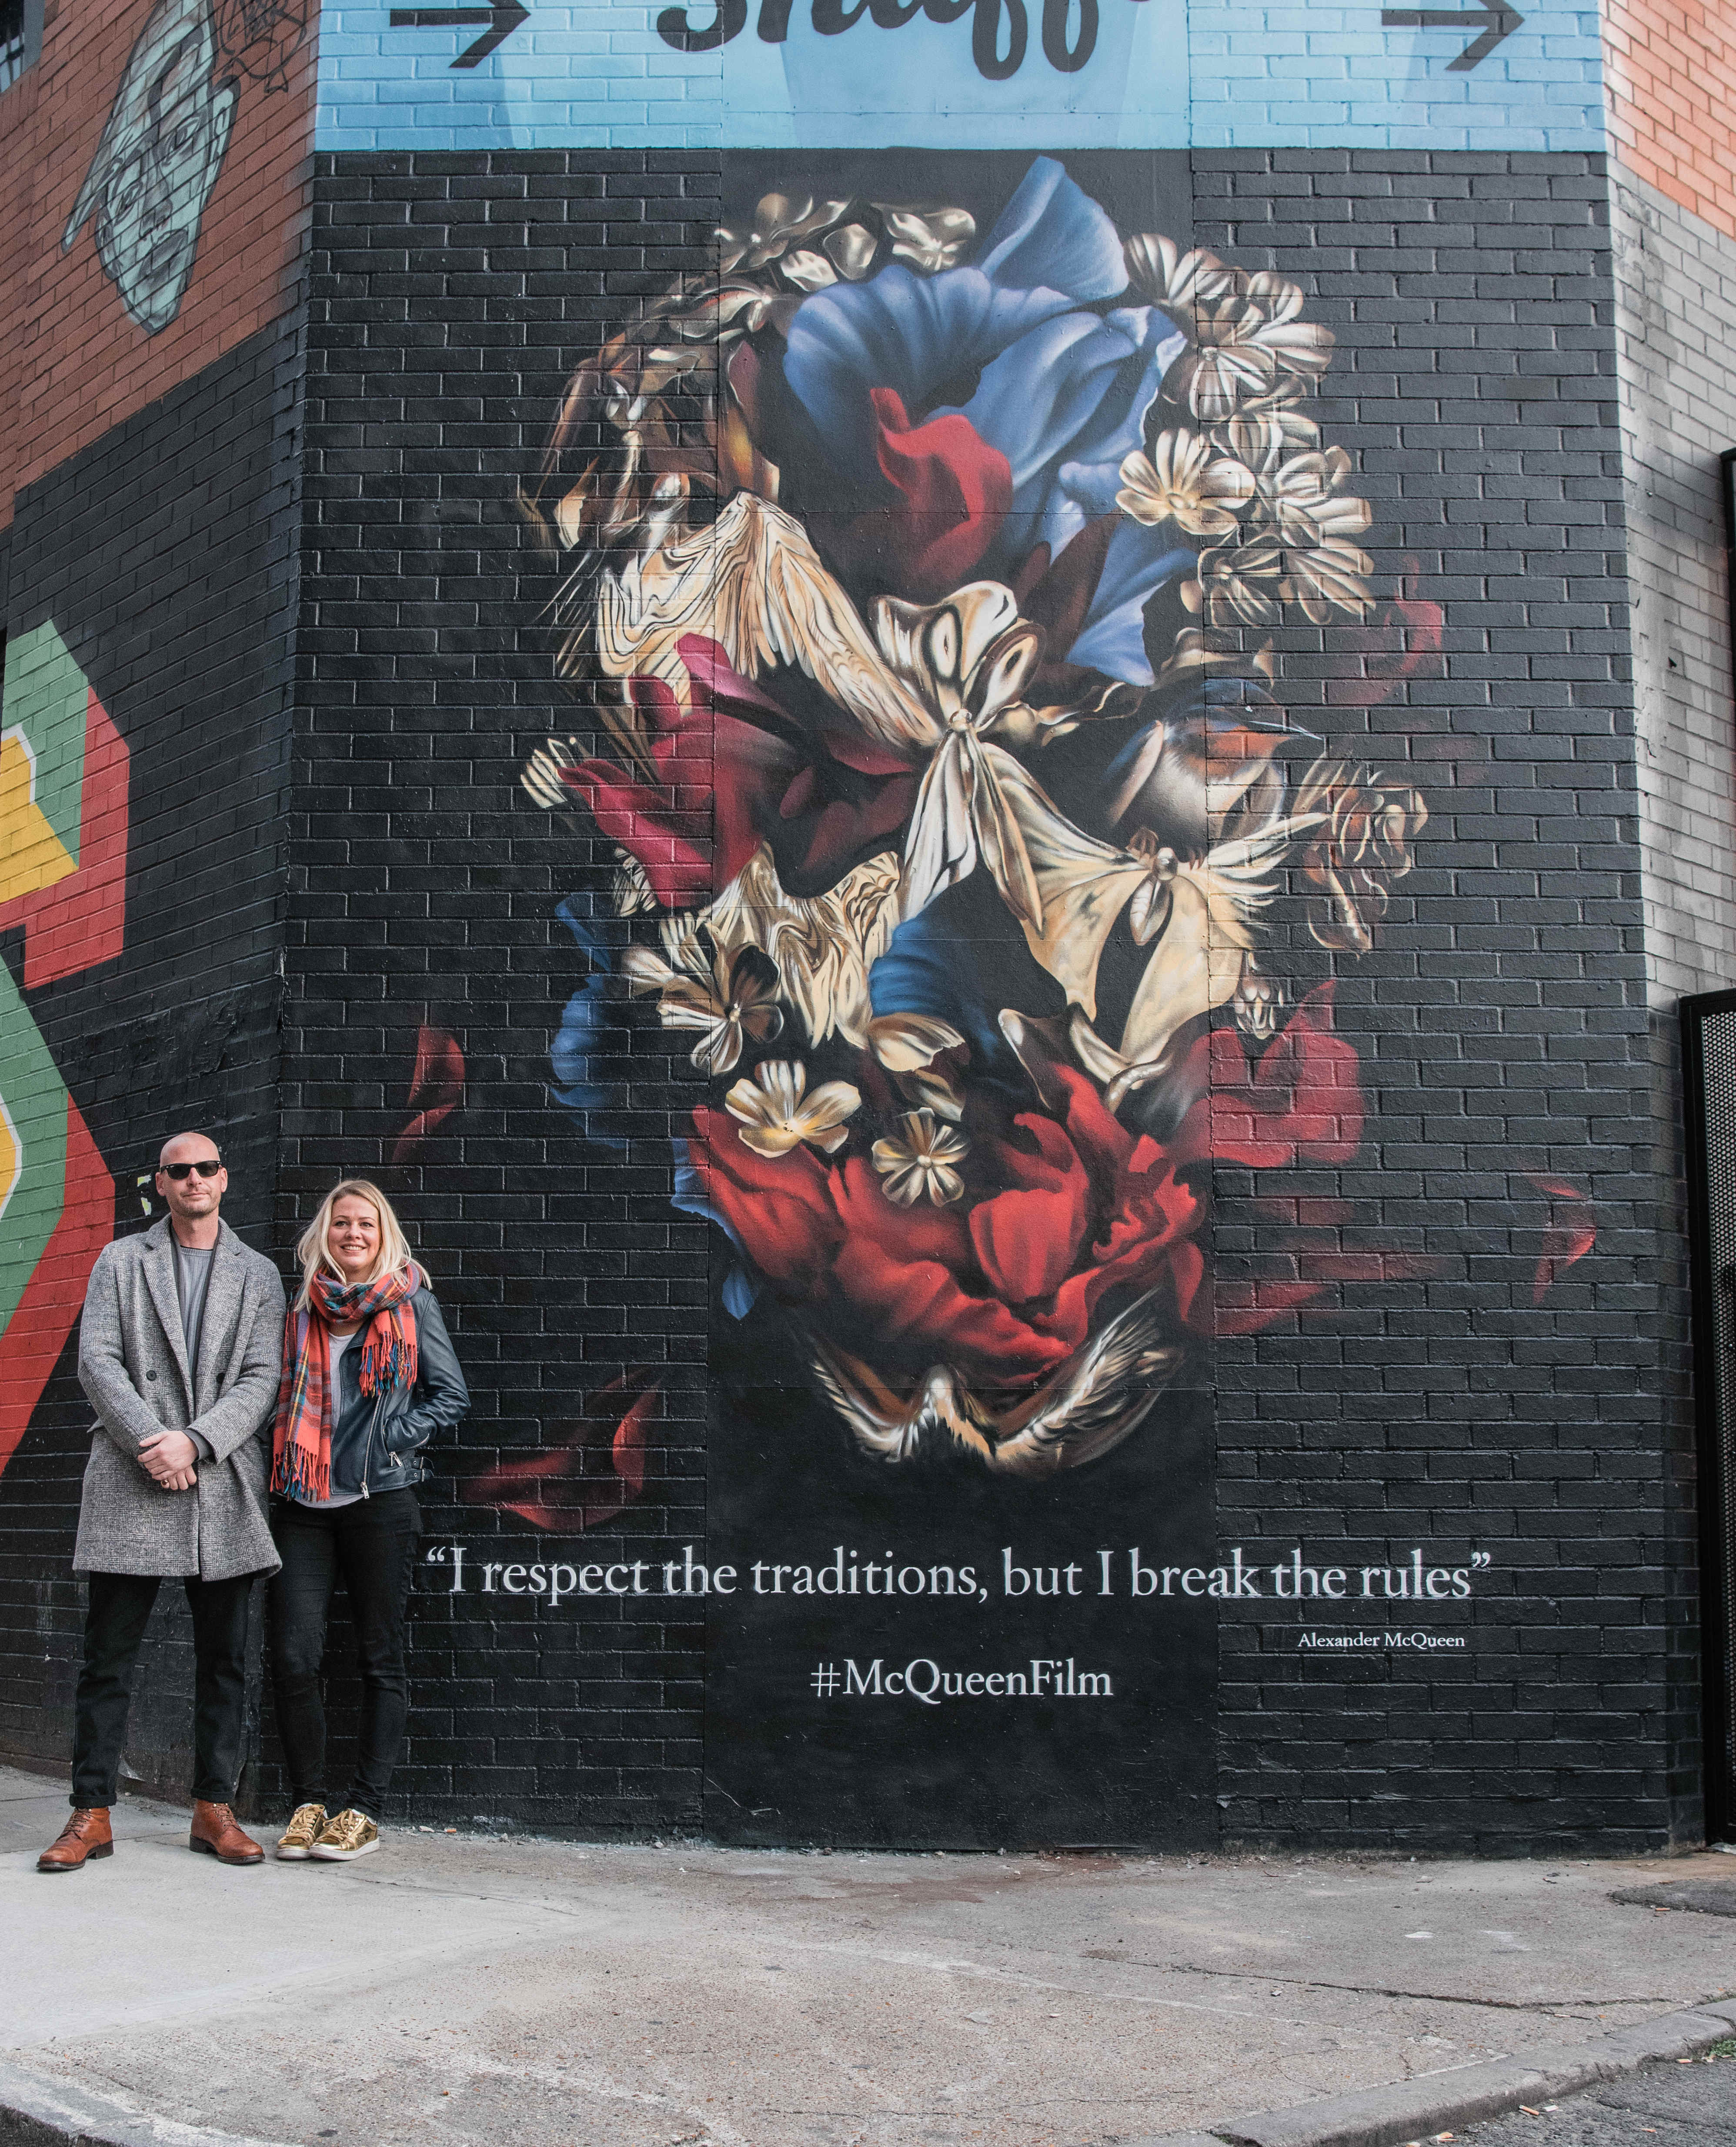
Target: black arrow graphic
502	18
1497	22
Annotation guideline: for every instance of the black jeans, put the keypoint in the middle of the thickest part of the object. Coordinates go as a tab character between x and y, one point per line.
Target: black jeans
114	1626
372	1545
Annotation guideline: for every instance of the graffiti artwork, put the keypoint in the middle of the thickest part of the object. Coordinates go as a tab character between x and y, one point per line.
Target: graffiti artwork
262	37
937	669
63	821
157	160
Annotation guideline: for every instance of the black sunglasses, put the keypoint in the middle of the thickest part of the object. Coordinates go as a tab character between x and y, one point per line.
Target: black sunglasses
177	1171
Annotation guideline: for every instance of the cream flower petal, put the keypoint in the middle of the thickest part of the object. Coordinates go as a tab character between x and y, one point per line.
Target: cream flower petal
822	1120
1181	480
775	1117
719	1050
904	1042
918	1161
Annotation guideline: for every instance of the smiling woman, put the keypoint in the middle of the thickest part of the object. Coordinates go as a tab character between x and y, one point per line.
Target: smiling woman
369	1377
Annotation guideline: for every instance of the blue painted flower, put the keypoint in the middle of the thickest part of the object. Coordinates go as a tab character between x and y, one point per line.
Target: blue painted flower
1061	392
742	1284
933	966
1052	248
1067	406
584	1020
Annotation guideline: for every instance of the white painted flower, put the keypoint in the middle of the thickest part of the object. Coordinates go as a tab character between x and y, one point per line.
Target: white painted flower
1305	497
1182	481
731	1000
777	1114
1245	339
920	1161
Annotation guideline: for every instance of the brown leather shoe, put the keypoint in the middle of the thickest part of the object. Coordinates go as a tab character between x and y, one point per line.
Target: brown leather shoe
215	1832
85	1837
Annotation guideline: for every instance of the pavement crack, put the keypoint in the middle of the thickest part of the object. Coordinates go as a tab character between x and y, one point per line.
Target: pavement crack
1387	1990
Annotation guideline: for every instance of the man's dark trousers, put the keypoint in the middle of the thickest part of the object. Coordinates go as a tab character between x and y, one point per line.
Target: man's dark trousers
114	1627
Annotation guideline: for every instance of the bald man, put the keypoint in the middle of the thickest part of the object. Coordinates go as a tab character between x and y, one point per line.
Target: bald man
179	1353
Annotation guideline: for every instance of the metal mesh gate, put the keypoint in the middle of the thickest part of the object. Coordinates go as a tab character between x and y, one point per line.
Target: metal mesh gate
1708	1070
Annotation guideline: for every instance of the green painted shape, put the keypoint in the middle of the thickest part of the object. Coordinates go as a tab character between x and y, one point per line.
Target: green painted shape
36	1101
47	698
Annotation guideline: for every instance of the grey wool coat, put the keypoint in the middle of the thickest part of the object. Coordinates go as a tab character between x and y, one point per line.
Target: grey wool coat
133	1367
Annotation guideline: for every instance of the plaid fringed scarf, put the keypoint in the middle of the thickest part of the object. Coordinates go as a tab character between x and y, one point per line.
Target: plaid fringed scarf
301	1438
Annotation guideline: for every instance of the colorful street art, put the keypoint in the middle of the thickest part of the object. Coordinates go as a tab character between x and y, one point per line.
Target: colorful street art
926	586
63	818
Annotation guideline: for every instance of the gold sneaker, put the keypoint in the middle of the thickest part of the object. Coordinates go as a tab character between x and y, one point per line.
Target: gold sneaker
296	1843
349	1834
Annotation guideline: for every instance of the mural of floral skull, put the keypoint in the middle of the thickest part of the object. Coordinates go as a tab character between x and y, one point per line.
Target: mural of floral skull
923	579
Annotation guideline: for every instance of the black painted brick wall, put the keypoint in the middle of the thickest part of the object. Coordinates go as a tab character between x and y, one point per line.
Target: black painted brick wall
166	556
1502	1028
452	295
1501	1022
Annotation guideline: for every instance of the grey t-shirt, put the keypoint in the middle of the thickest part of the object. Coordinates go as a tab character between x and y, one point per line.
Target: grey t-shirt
192	1277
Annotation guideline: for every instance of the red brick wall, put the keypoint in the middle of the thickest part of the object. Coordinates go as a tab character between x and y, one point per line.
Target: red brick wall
1671	81
72	361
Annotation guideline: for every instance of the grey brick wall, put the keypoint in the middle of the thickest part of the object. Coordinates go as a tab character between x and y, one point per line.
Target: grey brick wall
1501	345
1675	285
1502	1026
1675	282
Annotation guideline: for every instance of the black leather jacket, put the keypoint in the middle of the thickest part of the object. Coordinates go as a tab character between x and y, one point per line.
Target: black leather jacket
377	1439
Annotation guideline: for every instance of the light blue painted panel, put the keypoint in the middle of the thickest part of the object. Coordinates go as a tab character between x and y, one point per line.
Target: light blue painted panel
1157	74
577	75
1269	74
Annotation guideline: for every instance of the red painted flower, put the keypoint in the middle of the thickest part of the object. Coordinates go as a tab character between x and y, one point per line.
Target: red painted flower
1066	1210
700	754
954	492
1302	1103
735	769
1060	1209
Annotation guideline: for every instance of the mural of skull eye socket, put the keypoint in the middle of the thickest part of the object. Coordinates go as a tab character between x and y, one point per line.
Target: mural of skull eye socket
935	666
156	162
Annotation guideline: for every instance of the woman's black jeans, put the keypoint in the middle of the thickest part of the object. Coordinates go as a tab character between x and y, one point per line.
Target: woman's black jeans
372	1544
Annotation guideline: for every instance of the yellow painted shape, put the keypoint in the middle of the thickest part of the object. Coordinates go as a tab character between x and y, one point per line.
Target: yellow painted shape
32	855
12	1157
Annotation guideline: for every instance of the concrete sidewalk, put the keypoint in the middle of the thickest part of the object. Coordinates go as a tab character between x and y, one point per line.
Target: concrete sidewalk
452	1988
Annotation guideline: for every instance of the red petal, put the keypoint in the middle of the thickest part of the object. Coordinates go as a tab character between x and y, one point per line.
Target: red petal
674	846
1303	1104
779	1207
1564	1243
1028	1238
563	1488
957	490
436	1085
1402	641
1558	1189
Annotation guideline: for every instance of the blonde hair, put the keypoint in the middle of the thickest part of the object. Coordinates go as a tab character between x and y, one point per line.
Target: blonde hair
314	1252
